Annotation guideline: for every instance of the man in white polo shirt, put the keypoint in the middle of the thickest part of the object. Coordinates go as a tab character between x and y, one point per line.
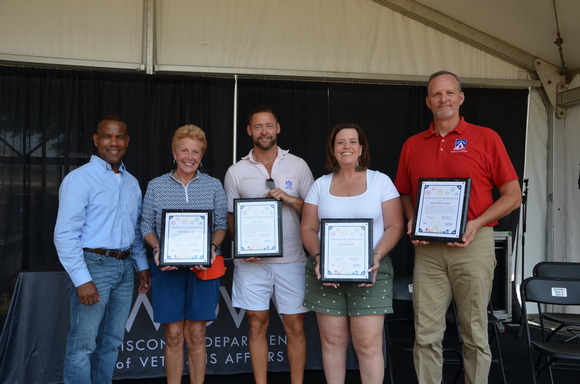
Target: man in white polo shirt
269	171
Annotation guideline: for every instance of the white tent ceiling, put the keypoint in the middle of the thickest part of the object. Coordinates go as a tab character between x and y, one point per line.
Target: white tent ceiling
529	25
517	31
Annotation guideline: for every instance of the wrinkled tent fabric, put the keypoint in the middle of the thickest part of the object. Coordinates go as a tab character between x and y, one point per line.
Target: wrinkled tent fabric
356	36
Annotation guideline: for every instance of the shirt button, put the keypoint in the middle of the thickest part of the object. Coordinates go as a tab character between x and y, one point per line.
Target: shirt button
441	149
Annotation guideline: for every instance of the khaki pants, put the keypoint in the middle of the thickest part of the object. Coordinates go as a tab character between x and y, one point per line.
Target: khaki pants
465	274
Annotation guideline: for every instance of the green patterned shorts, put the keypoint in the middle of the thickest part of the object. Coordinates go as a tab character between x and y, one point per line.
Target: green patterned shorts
349	299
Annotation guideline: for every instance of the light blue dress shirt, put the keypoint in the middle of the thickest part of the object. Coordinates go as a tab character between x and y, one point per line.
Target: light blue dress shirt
96	210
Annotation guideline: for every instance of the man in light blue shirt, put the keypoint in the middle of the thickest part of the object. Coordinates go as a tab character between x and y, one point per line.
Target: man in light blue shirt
99	243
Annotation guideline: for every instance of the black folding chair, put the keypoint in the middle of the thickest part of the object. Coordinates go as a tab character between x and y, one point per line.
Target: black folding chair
563	270
400	331
551	353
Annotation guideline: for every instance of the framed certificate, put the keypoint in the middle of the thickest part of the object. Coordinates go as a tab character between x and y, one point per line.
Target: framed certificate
346	250
441	210
258	228
185	238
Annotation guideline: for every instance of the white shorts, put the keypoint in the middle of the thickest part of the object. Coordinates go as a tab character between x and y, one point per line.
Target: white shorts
256	283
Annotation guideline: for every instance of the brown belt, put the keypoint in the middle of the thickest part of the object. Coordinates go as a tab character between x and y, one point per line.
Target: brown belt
121	255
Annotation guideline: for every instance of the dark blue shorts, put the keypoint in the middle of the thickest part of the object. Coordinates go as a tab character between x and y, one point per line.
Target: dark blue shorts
180	294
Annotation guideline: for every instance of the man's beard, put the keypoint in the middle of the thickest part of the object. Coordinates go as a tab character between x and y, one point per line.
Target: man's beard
446	113
260	145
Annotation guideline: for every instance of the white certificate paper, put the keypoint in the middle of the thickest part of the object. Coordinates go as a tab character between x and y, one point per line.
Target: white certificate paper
186	238
346	252
258	228
441	212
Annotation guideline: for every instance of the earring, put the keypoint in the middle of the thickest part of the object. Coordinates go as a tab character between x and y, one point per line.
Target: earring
174	162
333	166
359	166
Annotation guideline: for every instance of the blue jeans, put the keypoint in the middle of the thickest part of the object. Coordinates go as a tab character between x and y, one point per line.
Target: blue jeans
97	330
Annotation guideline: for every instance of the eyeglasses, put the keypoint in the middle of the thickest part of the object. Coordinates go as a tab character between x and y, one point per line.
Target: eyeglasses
270	183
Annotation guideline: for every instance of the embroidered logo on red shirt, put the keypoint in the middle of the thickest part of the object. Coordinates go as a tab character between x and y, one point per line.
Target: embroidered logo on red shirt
460	145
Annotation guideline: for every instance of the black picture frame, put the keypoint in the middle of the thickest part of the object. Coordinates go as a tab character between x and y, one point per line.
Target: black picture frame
441	209
258	228
346	250
185	238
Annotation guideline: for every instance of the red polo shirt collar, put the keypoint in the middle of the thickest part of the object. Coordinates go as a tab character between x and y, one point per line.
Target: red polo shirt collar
460	129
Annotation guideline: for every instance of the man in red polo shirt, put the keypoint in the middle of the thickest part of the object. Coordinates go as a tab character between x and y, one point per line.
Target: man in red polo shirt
453	148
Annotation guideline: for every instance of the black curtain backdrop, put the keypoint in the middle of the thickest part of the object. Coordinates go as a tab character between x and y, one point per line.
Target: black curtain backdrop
48	116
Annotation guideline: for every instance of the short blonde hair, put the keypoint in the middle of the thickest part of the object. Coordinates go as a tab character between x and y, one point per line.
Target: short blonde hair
193	132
